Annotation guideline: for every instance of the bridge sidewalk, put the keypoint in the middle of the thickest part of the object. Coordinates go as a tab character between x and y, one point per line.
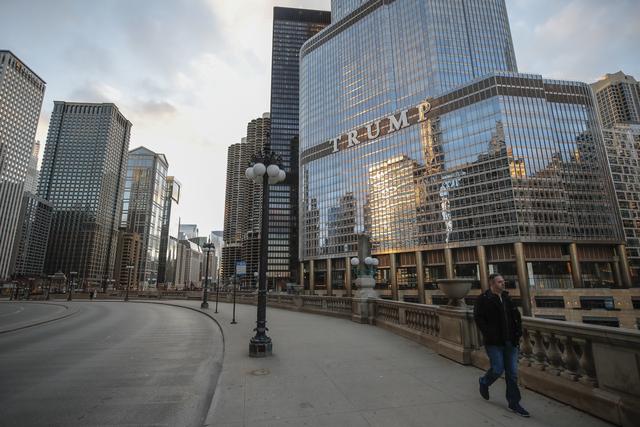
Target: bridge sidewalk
332	372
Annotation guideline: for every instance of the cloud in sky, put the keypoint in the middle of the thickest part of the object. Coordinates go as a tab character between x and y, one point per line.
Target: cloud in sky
190	74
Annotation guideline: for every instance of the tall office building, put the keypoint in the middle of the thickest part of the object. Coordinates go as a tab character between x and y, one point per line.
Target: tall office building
188	231
170	232
243	202
30	246
31	181
216	237
143	208
618	100
83	175
21	93
618	97
291	28
452	162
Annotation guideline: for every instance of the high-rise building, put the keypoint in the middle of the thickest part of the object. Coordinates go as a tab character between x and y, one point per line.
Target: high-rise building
128	259
618	97
217	239
188	265
31	181
170	232
143	208
21	93
416	128
243	202
618	100
30	246
83	175
291	28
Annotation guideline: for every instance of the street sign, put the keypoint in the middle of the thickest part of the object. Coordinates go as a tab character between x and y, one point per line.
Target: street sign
241	268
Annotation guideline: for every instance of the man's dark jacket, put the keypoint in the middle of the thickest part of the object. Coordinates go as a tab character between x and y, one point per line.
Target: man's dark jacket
498	321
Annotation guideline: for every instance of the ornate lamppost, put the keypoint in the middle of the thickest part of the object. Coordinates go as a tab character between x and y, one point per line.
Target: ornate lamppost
208	247
366	268
263	166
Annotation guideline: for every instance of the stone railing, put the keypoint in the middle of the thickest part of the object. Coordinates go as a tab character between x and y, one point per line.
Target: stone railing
593	368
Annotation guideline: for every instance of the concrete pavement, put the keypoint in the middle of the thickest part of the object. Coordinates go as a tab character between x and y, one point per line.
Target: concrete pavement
332	372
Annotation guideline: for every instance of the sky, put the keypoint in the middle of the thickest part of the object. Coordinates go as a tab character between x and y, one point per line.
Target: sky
190	74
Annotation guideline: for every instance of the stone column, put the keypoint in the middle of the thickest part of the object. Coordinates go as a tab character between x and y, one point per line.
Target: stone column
576	274
448	260
523	278
616	272
483	268
347	275
329	278
624	265
312	278
394	279
420	276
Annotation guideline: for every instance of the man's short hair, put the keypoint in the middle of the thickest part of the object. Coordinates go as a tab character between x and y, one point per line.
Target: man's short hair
492	276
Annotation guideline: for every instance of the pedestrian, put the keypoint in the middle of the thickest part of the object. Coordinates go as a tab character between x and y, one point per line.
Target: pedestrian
500	323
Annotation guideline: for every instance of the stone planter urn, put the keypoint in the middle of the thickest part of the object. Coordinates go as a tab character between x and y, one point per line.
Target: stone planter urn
456	289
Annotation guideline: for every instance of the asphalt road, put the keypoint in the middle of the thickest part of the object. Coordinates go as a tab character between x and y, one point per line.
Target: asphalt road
111	363
17	313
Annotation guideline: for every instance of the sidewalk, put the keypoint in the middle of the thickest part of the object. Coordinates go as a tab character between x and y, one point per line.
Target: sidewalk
332	372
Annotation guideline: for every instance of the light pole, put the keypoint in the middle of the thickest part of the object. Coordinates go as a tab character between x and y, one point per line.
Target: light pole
205	304
263	166
366	266
72	274
126	294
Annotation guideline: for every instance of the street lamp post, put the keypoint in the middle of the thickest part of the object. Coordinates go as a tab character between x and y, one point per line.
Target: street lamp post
72	274
126	294
205	295
264	170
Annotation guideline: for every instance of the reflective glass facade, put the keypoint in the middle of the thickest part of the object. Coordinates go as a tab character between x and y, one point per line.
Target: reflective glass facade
291	28
170	230
143	208
417	129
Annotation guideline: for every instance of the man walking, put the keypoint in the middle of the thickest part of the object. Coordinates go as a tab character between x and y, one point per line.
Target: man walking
501	325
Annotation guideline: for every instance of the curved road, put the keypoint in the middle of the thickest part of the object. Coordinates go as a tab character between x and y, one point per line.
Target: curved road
19	313
111	363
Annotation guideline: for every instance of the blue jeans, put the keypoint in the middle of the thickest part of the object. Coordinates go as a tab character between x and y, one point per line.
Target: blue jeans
503	359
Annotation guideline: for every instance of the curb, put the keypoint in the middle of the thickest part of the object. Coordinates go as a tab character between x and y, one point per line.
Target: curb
42	322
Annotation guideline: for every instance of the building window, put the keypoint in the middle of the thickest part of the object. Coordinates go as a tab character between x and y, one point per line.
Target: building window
591	303
550	302
602	321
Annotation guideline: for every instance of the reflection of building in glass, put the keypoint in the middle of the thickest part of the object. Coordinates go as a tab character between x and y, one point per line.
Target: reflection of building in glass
21	93
341	224
82	176
170	233
291	28
127	259
143	208
392	202
31	182
498	171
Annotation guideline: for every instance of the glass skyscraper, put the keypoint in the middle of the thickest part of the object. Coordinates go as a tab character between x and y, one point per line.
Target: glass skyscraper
291	28
416	129
83	175
143	208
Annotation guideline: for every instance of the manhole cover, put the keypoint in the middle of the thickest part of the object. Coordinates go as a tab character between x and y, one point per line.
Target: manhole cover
260	372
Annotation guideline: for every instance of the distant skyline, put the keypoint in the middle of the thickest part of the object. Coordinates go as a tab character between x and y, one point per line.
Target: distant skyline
190	74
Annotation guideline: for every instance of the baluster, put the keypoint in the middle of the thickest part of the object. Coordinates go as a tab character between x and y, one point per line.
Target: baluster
539	353
526	349
553	355
586	364
570	359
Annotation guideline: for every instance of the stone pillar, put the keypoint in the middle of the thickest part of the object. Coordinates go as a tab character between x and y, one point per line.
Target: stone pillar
624	265
523	278
347	275
483	268
420	276
616	272
576	274
448	260
312	278
394	279
329	278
